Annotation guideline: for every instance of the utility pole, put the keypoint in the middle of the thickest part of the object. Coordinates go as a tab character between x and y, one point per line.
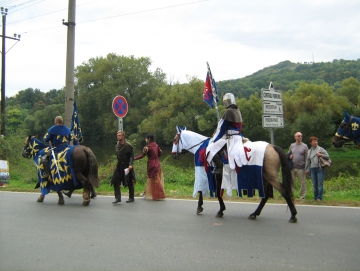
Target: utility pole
3	53
70	56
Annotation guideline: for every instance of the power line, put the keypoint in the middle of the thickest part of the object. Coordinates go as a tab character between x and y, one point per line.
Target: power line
143	11
50	11
39	15
15	10
105	18
8	3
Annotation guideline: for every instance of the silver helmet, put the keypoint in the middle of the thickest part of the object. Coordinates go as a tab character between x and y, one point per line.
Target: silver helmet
229	99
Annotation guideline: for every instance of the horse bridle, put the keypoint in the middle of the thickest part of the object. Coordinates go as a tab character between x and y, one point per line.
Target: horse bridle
183	151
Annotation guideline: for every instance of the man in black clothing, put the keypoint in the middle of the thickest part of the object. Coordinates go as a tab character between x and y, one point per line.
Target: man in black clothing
124	172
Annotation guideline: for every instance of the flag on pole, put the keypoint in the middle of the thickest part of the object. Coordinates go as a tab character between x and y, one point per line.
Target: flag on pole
75	127
210	91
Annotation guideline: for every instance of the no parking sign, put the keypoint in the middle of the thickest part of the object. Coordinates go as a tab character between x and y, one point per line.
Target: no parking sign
120	108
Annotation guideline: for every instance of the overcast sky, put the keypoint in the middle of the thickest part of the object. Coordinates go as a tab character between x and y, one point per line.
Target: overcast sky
236	37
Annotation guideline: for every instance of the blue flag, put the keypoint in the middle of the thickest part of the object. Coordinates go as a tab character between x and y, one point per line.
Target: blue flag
75	127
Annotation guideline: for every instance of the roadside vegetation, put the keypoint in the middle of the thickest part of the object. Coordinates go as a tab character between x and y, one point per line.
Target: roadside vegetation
342	185
314	97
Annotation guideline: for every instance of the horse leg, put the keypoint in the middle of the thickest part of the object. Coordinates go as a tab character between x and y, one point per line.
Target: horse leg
200	203
61	198
86	187
259	208
219	193
220	213
41	198
86	196
292	208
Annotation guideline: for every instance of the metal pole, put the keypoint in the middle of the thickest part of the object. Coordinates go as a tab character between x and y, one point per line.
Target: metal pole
121	128
70	56
3	119
272	135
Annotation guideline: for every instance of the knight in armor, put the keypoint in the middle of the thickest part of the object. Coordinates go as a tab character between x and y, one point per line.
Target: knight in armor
58	137
227	134
124	173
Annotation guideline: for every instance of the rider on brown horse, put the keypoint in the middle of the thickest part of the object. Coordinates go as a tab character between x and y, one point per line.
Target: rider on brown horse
58	137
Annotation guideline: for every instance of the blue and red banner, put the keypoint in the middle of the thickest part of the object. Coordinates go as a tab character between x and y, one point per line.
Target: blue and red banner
210	89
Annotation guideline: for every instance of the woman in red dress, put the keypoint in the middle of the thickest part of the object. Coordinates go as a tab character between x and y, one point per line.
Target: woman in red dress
155	179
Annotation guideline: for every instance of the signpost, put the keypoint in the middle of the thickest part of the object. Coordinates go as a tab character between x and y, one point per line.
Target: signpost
272	109
120	108
273	121
271	94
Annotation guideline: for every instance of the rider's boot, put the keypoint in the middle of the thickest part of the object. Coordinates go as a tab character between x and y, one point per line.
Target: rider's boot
218	164
45	162
117	193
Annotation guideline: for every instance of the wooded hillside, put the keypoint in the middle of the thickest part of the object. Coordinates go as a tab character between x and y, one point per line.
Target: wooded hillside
314	97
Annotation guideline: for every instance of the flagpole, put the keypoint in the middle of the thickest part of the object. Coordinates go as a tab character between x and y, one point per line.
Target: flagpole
213	91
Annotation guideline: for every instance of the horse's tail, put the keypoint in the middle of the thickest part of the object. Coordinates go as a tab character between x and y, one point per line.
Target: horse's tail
285	172
93	175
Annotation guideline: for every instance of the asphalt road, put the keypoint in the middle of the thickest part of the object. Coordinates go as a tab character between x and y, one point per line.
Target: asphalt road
168	235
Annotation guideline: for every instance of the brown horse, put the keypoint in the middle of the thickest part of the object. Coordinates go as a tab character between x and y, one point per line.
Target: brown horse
82	165
274	158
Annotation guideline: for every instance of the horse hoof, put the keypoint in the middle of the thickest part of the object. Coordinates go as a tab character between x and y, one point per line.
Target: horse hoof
252	217
219	215
40	199
199	210
293	220
86	203
61	202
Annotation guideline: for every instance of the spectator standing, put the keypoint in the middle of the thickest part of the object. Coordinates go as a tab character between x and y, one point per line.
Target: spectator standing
313	166
298	152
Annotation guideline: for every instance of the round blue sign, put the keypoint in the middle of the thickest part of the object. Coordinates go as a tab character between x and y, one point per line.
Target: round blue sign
120	106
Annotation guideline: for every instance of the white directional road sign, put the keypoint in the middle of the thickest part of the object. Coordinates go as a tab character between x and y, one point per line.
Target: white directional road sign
271	95
274	121
272	108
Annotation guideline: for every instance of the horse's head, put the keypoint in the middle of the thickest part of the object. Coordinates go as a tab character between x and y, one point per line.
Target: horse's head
348	130
32	146
177	148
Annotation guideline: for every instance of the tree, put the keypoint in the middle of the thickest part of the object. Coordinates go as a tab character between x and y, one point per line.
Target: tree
28	97
350	88
15	116
55	96
179	104
318	124
43	119
101	79
251	111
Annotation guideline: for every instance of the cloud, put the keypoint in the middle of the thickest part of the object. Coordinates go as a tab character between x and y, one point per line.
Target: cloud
238	38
